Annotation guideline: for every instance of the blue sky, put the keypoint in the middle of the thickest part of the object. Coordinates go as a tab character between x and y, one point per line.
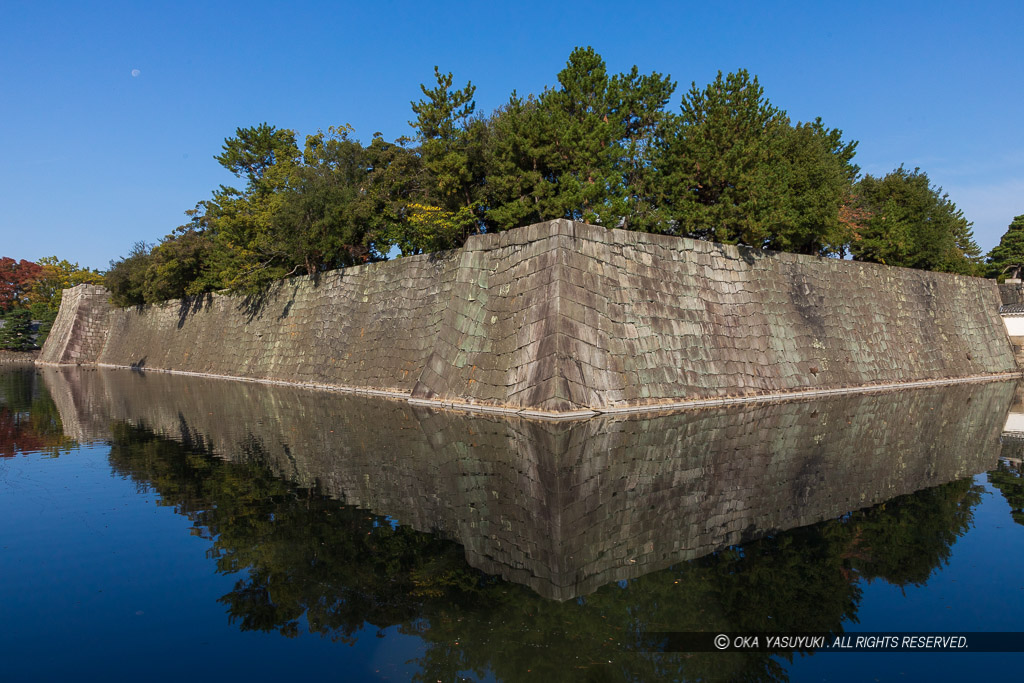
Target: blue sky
95	158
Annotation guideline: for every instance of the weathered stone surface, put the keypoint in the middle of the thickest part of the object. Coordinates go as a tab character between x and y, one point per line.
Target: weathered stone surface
81	329
568	507
369	327
564	316
1011	294
576	316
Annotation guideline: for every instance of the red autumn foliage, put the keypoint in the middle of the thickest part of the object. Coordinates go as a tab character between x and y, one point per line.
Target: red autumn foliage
17	436
16	278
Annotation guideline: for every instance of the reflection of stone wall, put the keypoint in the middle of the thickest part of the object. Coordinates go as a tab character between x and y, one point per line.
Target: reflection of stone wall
566	508
563	316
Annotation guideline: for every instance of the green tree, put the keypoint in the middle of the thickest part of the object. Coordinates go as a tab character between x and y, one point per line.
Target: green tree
721	165
520	184
321	224
395	179
584	131
57	275
16	333
736	171
815	179
254	151
588	150
249	254
910	223
451	148
1009	251
639	109
177	267
126	277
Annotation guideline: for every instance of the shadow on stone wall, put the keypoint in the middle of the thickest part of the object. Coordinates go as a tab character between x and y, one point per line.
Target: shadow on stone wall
567	507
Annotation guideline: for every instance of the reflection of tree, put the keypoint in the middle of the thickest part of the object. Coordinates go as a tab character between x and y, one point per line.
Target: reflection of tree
29	420
905	540
1009	479
306	555
306	562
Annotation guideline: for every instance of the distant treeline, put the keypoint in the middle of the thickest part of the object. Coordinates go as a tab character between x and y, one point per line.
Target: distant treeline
604	149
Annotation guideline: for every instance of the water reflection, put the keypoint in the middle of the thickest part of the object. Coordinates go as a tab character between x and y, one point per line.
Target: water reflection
304	558
565	508
29	420
320	505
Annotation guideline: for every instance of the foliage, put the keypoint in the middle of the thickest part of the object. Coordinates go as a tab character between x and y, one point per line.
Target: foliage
816	178
587	150
597	147
1010	250
720	168
126	277
910	223
738	172
16	279
323	221
37	288
57	275
16	333
450	149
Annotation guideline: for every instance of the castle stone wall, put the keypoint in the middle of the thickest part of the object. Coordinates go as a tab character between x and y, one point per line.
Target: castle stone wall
562	317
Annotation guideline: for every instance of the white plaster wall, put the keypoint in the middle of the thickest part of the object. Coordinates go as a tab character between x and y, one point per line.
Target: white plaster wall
1014	325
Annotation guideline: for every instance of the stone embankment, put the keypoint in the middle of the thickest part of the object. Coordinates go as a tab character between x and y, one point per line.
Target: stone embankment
563	319
18	357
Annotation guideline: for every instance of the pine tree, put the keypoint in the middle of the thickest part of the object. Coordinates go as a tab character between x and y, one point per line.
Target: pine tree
16	334
914	225
1009	251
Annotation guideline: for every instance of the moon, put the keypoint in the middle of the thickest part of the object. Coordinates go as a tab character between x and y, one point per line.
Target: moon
135	73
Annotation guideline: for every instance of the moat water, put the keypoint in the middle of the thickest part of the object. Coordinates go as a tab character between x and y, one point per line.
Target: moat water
166	528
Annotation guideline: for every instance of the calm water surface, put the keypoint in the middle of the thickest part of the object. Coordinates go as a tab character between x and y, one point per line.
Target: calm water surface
166	528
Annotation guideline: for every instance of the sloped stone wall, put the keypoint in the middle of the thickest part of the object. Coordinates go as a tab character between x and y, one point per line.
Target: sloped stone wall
563	317
81	329
368	327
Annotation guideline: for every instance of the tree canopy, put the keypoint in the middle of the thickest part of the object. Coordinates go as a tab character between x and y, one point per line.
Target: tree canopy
16	280
911	223
609	149
1010	250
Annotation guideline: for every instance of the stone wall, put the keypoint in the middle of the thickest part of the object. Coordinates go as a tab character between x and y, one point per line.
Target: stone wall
566	507
81	329
563	317
1011	294
369	327
566	316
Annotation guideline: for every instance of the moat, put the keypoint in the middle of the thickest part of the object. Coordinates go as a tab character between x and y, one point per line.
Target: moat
166	526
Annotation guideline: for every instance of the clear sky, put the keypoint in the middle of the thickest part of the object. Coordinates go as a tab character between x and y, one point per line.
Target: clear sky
111	113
